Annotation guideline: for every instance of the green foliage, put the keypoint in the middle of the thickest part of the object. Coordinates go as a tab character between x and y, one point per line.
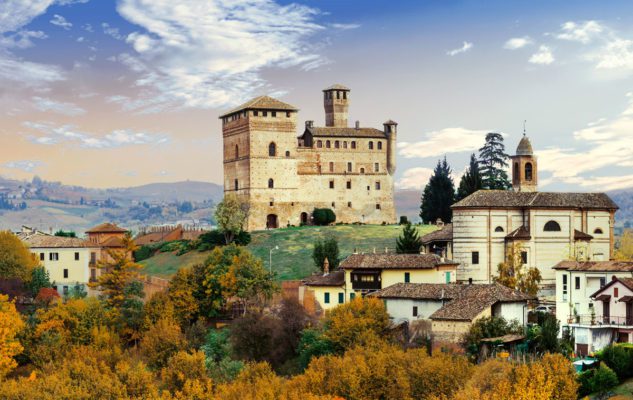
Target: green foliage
69	234
218	351
212	239
313	344
471	181
598	380
144	252
77	291
438	195
39	279
403	220
409	242
488	327
544	335
618	357
323	216
494	160
327	248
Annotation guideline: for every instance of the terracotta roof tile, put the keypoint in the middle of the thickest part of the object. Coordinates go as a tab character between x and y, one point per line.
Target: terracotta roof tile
510	199
521	233
394	261
334	131
43	240
335	278
106	227
600	266
441	235
261	102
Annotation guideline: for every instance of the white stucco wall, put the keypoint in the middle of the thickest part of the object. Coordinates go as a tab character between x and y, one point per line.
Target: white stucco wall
512	311
78	270
402	309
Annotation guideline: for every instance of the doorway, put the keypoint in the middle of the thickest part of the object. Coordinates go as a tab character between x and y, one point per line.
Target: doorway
272	222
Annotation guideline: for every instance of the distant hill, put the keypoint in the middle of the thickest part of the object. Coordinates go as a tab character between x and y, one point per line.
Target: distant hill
624	199
167	192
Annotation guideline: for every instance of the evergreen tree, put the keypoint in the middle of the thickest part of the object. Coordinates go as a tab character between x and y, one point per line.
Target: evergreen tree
39	279
493	160
409	242
471	180
438	195
323	249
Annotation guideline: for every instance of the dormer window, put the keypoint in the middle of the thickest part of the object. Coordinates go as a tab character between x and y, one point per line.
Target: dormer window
552	226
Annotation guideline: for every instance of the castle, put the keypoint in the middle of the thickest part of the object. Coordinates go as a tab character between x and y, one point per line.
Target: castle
283	177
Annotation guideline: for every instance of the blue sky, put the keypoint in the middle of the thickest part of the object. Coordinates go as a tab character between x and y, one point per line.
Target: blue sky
116	93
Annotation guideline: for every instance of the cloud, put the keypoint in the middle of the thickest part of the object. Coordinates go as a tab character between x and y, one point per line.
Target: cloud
21	39
465	47
185	60
345	27
414	178
445	141
60	21
543	56
111	31
50	134
616	54
23	165
517	43
70	109
27	73
583	32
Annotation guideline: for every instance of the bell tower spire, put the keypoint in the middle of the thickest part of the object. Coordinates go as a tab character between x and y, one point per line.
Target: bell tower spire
524	166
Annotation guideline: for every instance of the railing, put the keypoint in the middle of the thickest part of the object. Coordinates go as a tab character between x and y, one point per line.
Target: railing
358	285
600	320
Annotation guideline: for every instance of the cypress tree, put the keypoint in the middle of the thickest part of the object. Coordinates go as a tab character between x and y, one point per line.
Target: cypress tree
409	242
493	160
438	195
471	180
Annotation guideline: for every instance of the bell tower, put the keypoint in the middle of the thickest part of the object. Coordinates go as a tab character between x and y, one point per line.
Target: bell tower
524	167
336	103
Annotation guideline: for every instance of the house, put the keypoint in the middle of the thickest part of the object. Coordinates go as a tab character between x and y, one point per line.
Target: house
593	302
439	242
66	259
106	237
452	308
547	227
361	274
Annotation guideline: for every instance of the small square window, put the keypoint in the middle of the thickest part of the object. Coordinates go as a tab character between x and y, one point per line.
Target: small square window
349	204
377	185
349	167
349	184
333	205
377	206
265	113
273	114
287	114
42	256
256	113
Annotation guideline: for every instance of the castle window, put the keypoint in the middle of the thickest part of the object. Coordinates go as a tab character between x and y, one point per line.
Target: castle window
237	151
528	171
236	186
362	170
377	206
338	94
344	145
368	187
272	202
515	172
287	114
377	185
319	144
272	149
551	226
273	114
255	113
597	231
245	114
333	205
337	144
353	144
271	183
331	184
498	229
287	153
379	145
376	167
371	145
328	144
349	167
349	184
265	113
331	166
349	204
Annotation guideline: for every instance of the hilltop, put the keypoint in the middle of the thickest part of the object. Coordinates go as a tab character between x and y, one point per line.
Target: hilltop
293	260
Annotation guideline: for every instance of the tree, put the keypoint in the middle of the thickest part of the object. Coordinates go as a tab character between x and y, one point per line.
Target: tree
323	216
16	261
39	279
10	325
514	275
326	248
471	181
625	248
231	214
63	233
161	341
409	242
494	160
487	327
438	195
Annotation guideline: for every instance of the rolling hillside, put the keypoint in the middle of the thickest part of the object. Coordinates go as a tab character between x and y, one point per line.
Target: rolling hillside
293	260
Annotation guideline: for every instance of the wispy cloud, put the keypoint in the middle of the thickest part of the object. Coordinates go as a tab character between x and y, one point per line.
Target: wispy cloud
583	32
21	39
465	47
27	73
414	178
23	165
345	26
445	141
60	21
112	31
517	43
70	109
51	134
543	56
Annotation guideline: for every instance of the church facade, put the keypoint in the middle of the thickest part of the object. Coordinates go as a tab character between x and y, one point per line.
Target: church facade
283	178
545	227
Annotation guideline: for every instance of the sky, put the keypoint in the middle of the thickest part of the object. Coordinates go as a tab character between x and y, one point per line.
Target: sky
114	93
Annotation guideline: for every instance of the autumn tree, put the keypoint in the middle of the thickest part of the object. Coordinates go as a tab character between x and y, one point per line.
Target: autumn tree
471	181
326	248
231	214
10	326
409	241
16	261
624	251
494	161
161	341
514	274
182	294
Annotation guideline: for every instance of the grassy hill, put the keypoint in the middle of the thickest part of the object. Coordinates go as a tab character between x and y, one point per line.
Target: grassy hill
293	260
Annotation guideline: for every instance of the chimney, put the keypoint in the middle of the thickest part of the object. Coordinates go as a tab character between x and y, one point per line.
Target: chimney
357	124
326	267
309	124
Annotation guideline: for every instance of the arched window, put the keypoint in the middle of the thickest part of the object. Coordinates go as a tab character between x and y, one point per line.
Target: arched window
528	171
287	153
515	172
353	144
597	231
328	144
271	183
272	149
551	226
337	144
344	145
237	151
499	229
319	143
362	170
379	145
371	145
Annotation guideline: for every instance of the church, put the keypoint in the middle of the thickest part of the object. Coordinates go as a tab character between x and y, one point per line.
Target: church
547	227
283	178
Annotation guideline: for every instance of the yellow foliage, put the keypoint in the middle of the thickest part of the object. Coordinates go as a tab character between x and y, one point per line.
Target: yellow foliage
185	374
625	248
16	261
10	326
161	341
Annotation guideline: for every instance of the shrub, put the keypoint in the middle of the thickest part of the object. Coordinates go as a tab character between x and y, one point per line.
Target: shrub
403	220
603	379
619	358
212	239
323	216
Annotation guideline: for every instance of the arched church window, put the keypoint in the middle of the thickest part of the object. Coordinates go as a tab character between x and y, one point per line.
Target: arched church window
528	171
271	183
515	172
499	229
551	226
272	149
598	231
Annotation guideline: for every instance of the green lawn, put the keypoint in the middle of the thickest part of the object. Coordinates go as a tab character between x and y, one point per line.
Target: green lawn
293	259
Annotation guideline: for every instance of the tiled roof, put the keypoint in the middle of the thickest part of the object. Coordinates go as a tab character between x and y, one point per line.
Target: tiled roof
463	302
334	131
510	199
106	227
336	86
521	233
441	235
43	240
390	122
112	242
579	235
263	103
628	282
394	261
335	278
596	266
525	147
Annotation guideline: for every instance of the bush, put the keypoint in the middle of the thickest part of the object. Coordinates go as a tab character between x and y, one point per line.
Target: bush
619	358
143	253
212	239
603	379
404	220
323	216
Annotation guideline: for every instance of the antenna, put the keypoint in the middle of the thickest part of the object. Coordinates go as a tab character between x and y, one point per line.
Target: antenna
524	122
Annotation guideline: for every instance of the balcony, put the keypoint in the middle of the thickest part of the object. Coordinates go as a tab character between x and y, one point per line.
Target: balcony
366	280
600	320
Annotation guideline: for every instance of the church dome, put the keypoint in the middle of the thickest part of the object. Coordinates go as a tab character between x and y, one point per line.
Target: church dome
525	147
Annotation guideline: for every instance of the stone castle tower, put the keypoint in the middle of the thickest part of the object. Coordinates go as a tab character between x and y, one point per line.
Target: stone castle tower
524	167
284	177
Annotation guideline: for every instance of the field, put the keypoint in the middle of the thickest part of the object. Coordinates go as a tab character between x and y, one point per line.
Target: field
293	258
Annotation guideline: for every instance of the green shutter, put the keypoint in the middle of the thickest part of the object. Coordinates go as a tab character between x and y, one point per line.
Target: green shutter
448	277
407	277
352	295
327	297
341	298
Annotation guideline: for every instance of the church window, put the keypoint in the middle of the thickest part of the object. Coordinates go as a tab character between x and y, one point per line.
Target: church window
528	171
349	167
236	185
337	144
331	184
499	229
273	114
353	144
551	226
379	145
319	144
349	184
328	144
272	149
597	231
515	172
474	257
376	167
237	151
371	145
331	166
271	183
377	185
